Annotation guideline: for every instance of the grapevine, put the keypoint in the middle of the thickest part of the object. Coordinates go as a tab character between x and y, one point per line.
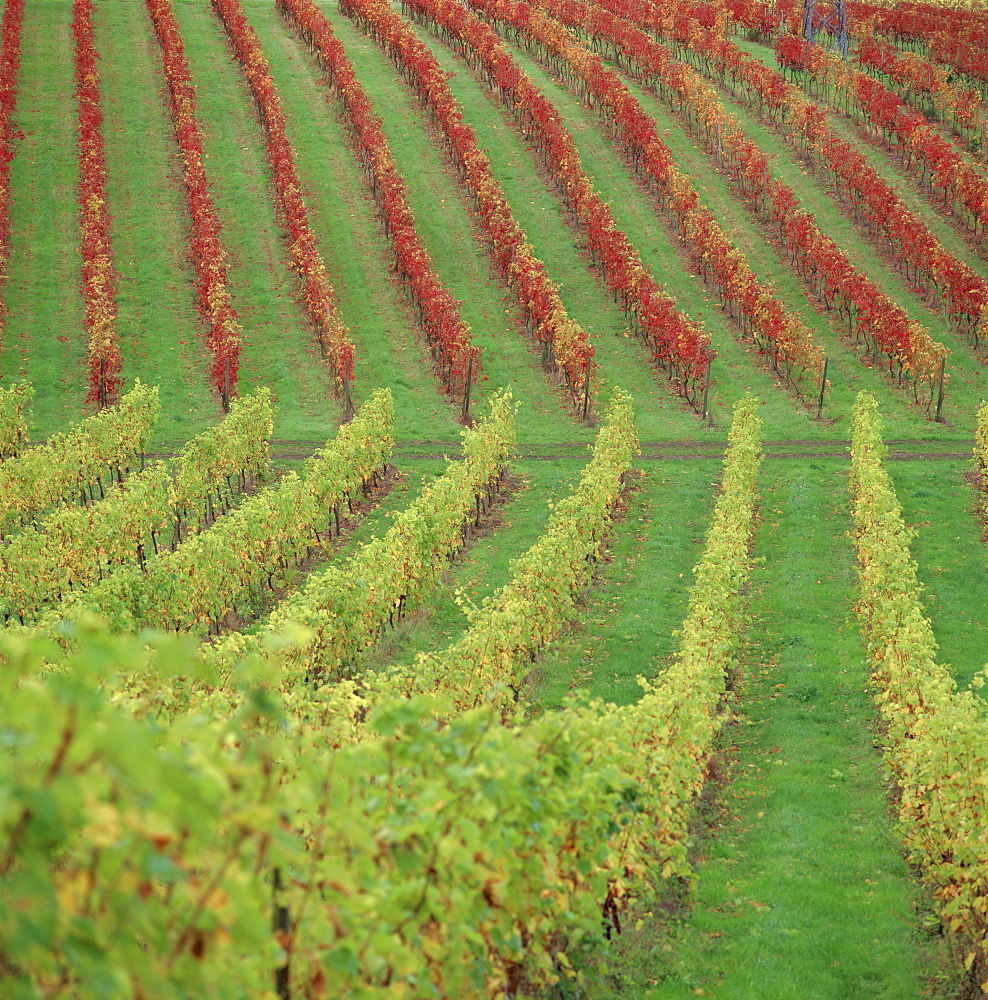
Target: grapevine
318	294
253	548
936	736
208	253
73	547
14	400
70	463
981	445
10	55
99	276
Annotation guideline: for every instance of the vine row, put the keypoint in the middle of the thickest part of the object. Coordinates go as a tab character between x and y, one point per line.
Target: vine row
318	293
981	452
257	546
72	463
148	512
99	276
208	254
935	736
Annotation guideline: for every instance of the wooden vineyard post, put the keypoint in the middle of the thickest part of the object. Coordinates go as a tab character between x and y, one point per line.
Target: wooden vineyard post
586	392
226	383
823	387
282	927
939	417
706	392
347	397
101	400
466	390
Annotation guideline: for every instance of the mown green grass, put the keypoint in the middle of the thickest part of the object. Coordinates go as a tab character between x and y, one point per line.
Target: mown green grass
967	372
629	617
952	558
160	328
278	345
43	339
801	890
389	349
441	206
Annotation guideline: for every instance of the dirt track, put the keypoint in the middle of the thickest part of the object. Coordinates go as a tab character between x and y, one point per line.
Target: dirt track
661	451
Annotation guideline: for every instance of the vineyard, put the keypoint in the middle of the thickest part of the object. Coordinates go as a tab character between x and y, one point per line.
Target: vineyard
493	500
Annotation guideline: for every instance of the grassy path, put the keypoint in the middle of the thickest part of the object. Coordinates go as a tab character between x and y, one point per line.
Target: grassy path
969	377
389	348
627	625
44	340
278	345
801	890
160	329
623	361
925	203
441	208
952	556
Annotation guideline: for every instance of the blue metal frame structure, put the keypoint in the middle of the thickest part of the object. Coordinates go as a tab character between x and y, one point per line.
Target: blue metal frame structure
831	20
